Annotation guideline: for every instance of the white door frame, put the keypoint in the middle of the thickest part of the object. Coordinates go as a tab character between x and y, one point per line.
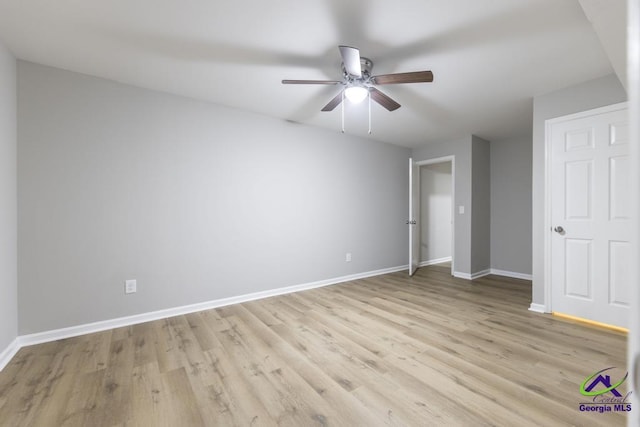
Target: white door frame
446	159
548	304
633	87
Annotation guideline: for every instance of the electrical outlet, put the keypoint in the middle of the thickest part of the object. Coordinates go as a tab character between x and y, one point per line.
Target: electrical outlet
130	286
348	257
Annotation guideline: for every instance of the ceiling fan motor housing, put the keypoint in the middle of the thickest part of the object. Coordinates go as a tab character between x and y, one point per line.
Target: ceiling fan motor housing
366	66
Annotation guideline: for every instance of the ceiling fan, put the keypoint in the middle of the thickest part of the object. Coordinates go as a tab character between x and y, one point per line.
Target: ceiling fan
358	83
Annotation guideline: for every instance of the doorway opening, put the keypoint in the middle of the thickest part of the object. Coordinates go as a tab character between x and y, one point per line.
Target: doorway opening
432	212
436	203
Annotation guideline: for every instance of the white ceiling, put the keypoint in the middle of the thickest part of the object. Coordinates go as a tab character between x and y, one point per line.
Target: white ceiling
609	20
489	57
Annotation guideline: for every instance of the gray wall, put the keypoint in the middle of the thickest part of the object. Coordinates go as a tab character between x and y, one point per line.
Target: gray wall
195	201
511	205
435	211
8	201
461	149
480	205
592	94
472	181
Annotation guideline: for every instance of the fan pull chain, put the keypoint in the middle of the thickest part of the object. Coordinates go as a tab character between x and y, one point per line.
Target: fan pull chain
369	96
342	103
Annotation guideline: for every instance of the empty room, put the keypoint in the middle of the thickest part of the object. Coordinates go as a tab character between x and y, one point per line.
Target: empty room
323	213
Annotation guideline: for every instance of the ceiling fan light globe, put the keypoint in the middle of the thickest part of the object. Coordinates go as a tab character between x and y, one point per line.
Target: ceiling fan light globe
356	94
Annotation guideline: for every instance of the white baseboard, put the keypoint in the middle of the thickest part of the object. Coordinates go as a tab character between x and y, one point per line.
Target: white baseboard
538	308
8	353
461	275
434	261
483	273
471	276
511	274
73	331
486	272
479	274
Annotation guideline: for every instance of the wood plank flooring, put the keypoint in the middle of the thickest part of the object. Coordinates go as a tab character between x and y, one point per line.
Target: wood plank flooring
389	350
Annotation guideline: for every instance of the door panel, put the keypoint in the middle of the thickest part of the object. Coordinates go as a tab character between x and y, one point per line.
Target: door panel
578	268
618	133
578	139
590	213
619	261
578	189
619	174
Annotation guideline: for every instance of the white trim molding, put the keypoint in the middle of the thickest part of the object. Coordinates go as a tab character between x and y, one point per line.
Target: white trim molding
489	271
461	275
511	274
472	276
537	308
434	261
479	274
103	325
7	354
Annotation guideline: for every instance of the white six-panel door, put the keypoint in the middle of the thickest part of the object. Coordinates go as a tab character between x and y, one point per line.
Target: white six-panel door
590	214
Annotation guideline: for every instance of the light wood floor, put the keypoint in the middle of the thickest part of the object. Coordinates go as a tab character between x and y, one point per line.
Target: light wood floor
389	350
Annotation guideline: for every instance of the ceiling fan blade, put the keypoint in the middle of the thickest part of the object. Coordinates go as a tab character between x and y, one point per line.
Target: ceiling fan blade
334	102
351	60
383	99
413	77
310	82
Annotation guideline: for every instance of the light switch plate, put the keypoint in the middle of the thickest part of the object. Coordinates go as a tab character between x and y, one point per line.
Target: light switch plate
130	286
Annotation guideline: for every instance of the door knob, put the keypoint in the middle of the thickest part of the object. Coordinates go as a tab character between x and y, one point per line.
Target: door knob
558	229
